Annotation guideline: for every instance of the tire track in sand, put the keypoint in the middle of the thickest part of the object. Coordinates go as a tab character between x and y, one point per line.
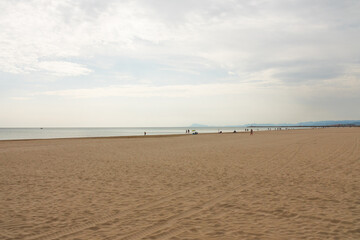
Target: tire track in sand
147	232
73	230
342	152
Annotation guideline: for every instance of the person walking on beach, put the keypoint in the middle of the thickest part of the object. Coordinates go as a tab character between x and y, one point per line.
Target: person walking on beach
251	132
144	133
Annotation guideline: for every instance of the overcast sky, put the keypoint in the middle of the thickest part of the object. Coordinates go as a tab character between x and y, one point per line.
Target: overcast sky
173	63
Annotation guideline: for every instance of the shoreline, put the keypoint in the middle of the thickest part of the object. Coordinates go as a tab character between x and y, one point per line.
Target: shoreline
124	137
152	136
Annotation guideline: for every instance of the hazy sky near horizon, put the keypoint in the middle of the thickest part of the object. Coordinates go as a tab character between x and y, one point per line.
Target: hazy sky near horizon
173	63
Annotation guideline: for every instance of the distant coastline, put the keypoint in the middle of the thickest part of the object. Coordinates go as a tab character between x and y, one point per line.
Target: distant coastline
304	126
332	123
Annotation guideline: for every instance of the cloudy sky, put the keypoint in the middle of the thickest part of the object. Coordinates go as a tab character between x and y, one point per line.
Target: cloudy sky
130	63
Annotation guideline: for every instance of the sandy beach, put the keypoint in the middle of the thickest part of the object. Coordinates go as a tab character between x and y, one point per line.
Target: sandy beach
295	184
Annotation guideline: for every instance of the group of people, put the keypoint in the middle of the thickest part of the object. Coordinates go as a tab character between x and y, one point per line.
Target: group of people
246	130
249	130
219	131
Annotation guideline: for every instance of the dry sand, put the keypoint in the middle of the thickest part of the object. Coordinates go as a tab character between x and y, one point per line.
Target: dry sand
296	184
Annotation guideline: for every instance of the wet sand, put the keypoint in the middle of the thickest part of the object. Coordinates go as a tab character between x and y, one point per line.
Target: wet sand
295	184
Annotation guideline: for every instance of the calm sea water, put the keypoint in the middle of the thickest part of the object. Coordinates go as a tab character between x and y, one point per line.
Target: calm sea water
47	133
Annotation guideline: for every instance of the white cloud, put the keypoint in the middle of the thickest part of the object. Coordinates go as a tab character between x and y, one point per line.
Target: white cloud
234	35
178	91
63	68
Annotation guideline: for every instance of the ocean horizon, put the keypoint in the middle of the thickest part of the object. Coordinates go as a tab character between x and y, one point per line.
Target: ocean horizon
83	132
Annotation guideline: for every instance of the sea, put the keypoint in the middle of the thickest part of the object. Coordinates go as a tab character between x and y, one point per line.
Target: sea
50	133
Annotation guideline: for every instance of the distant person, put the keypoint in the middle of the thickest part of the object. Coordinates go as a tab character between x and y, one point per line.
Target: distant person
251	132
144	133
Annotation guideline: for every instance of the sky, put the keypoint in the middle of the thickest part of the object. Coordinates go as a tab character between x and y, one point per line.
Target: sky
153	63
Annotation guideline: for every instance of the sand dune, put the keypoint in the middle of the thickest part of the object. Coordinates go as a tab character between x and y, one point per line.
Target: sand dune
296	184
